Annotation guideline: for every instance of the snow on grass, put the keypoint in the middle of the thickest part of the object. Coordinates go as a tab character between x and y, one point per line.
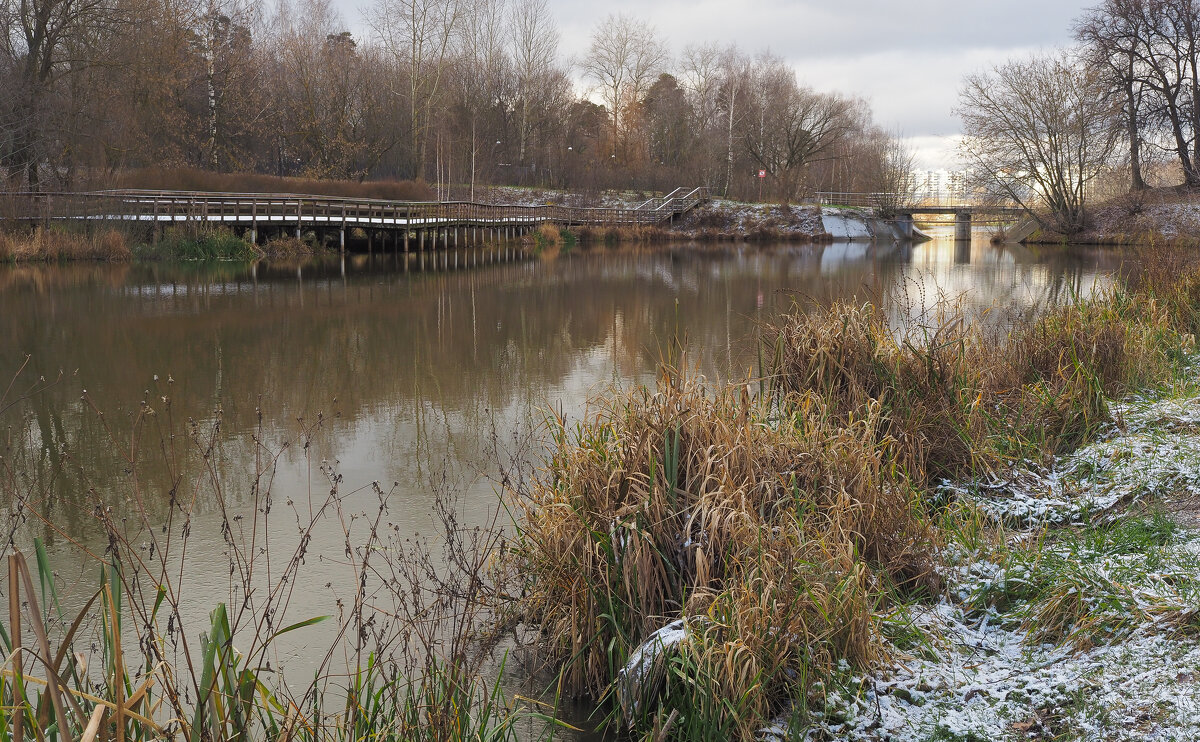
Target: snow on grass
1086	631
987	683
1152	450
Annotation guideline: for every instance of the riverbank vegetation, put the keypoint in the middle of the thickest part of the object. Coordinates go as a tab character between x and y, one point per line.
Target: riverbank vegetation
103	640
704	561
788	544
54	245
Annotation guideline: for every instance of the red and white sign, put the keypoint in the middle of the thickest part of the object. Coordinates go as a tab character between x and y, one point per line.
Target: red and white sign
762	173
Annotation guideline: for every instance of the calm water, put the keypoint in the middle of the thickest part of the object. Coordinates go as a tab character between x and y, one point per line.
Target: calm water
409	366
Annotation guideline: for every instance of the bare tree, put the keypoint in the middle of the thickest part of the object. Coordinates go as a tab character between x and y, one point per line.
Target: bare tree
735	77
1113	36
417	35
624	59
896	163
1148	50
534	48
1039	131
484	70
45	43
331	97
700	79
789	126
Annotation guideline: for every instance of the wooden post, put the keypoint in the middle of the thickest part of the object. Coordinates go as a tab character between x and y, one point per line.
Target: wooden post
299	208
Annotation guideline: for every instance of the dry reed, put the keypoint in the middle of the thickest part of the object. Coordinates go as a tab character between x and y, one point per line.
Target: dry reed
779	530
781	526
51	245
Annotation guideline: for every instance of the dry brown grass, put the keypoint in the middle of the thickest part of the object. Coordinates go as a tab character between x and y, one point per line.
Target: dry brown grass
287	247
783	525
612	235
959	398
548	235
190	179
52	245
681	501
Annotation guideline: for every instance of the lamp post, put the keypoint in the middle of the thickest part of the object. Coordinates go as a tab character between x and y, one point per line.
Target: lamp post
492	186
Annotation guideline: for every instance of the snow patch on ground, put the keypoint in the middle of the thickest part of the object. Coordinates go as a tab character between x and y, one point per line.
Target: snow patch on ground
987	683
980	674
1152	450
1167	220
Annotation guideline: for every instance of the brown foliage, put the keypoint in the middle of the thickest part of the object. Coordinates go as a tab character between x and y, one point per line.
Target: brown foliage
680	501
287	247
191	179
53	245
959	398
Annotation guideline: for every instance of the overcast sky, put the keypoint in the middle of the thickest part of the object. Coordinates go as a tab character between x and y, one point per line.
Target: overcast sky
906	58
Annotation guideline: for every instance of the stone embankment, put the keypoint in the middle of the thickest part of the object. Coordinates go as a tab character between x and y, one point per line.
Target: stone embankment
734	221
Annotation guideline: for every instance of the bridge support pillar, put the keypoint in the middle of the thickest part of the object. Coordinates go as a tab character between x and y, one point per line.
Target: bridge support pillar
421	240
904	223
962	225
342	242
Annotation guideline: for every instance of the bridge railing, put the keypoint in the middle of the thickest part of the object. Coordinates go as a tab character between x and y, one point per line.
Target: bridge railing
243	208
884	199
859	200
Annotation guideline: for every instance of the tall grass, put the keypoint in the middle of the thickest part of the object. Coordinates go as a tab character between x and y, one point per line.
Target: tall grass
778	527
181	243
53	245
959	397
784	527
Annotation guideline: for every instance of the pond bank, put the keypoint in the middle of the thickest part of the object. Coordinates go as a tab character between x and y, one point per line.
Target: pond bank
716	221
522	336
115	245
1165	217
806	538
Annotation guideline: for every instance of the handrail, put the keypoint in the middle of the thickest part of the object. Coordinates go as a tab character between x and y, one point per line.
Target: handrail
880	199
249	208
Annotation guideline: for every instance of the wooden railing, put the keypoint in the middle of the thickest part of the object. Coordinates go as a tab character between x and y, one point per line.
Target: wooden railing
324	211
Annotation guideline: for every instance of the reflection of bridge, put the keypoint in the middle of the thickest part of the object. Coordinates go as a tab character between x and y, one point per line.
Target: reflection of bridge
432	224
901	210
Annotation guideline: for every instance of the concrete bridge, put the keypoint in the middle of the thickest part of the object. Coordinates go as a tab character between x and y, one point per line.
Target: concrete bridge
411	224
889	203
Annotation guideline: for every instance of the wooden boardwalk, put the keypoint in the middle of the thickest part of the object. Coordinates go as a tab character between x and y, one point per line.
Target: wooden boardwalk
256	214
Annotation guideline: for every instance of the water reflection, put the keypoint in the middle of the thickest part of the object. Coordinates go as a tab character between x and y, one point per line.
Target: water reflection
387	346
409	361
